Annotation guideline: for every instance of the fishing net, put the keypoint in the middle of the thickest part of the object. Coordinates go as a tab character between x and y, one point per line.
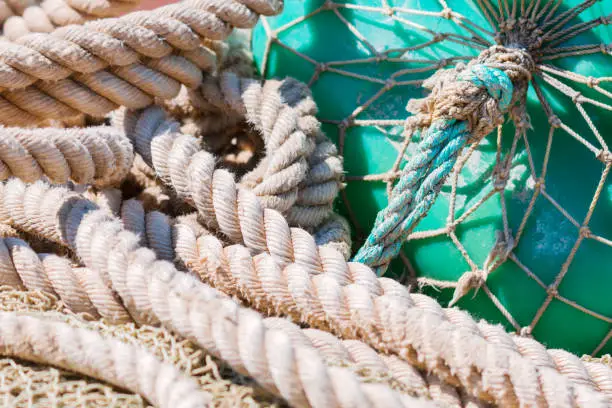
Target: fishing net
562	126
23	384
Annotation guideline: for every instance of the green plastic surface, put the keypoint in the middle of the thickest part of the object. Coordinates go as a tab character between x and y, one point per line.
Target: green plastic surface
571	179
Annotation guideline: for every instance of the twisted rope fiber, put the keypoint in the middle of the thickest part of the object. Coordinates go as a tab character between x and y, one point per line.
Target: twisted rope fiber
87	352
199	250
570	365
99	155
230	93
471	102
157	230
338	300
348	299
235	211
81	289
300	175
21	262
154	291
125	61
49	14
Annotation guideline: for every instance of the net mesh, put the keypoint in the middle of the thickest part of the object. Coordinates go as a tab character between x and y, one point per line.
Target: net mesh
586	97
23	384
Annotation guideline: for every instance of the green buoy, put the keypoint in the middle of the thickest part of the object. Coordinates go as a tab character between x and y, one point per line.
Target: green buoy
527	220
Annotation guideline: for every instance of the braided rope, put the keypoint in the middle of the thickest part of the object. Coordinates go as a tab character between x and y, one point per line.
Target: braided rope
458	94
49	14
87	352
125	61
99	155
154	291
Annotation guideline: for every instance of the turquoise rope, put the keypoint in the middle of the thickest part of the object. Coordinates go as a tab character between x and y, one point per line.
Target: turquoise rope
425	173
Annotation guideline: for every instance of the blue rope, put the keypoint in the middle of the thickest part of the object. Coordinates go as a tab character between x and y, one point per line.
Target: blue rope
425	173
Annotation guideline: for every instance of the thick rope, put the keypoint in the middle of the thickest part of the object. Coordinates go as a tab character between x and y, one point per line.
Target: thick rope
322	290
98	155
125	61
465	105
49	14
235	211
88	353
199	251
223	206
338	300
301	174
80	289
154	291
321	184
83	291
451	344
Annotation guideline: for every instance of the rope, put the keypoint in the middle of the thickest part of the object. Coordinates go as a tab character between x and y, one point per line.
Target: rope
125	61
79	288
300	175
454	114
320	186
448	347
191	172
346	299
234	211
49	14
99	155
88	353
53	274
320	293
154	291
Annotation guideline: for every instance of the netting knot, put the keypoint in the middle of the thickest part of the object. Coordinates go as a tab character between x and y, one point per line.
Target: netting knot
605	156
475	279
468	281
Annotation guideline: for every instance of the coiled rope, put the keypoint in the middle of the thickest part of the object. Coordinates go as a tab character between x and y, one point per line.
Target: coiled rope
155	292
125	61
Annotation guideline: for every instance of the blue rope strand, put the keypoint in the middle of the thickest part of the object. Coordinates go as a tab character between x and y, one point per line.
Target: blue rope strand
425	173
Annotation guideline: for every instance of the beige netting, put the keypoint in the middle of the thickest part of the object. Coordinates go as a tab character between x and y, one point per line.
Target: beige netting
24	384
511	147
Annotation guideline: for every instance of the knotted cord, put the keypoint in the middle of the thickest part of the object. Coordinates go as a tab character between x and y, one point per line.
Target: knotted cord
455	113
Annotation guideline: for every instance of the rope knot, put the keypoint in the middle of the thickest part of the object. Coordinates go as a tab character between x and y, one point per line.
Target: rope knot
466	103
468	281
479	93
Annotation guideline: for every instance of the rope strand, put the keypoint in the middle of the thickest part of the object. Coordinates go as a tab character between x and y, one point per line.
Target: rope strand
88	353
126	61
155	292
99	155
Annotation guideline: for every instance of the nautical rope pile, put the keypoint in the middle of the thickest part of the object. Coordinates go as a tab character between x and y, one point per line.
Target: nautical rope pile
553	31
252	270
